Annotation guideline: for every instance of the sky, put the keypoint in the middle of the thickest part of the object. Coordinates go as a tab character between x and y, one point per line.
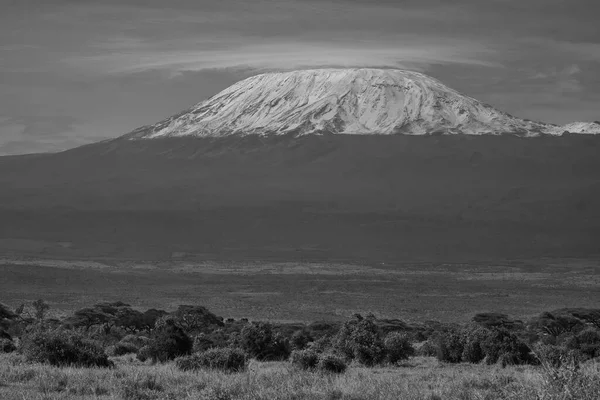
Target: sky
74	72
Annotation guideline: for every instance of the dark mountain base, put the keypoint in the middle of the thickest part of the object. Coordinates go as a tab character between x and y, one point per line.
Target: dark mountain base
332	197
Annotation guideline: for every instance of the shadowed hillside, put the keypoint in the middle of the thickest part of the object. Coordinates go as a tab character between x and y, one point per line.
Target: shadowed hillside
344	197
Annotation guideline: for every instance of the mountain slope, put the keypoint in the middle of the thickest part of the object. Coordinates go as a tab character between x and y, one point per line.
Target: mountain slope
580	127
348	101
250	173
352	197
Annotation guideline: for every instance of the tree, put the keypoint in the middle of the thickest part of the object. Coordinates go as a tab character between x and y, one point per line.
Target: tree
40	308
129	319
108	315
149	318
259	341
360	339
397	347
169	342
588	315
88	317
555	324
194	319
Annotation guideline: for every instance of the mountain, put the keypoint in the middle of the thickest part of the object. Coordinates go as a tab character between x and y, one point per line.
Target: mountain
580	127
346	101
310	165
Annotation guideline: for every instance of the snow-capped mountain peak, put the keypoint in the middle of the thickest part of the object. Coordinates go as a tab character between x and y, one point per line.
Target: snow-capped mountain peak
340	101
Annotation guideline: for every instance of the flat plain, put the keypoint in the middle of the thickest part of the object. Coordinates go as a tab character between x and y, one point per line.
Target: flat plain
309	291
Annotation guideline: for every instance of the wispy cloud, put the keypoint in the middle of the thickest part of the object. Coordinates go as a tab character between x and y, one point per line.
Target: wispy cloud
405	52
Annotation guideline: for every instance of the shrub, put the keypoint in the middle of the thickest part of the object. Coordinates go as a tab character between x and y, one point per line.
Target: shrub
305	359
331	363
121	348
7	346
472	344
259	341
504	346
397	347
556	357
300	339
450	347
587	342
428	348
62	348
359	340
138	341
168	343
321	345
202	343
222	359
144	353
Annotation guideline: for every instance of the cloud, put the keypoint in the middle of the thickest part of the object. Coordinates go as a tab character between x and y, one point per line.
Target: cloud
405	53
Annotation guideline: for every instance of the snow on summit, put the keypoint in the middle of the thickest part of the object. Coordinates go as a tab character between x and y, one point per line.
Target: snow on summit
340	101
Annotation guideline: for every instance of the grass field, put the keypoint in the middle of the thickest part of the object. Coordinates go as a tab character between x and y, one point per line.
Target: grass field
295	291
418	379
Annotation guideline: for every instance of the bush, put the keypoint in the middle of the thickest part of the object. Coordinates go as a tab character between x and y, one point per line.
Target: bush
137	341
300	339
321	345
428	348
202	343
168	343
7	346
331	363
121	348
359	340
144	353
397	347
450	347
587	342
222	359
62	348
506	347
305	359
556	357
472	344
260	342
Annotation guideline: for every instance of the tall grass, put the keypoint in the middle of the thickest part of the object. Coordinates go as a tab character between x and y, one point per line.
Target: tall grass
421	378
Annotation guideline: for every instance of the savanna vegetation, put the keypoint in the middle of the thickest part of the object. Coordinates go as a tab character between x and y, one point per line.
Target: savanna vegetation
115	351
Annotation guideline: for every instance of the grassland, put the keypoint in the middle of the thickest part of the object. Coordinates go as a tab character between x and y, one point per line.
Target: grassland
296	291
418	379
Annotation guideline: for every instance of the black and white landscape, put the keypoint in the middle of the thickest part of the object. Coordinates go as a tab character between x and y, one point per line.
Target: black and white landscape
330	221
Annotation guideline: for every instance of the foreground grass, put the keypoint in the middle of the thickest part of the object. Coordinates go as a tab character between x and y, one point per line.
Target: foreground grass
419	379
